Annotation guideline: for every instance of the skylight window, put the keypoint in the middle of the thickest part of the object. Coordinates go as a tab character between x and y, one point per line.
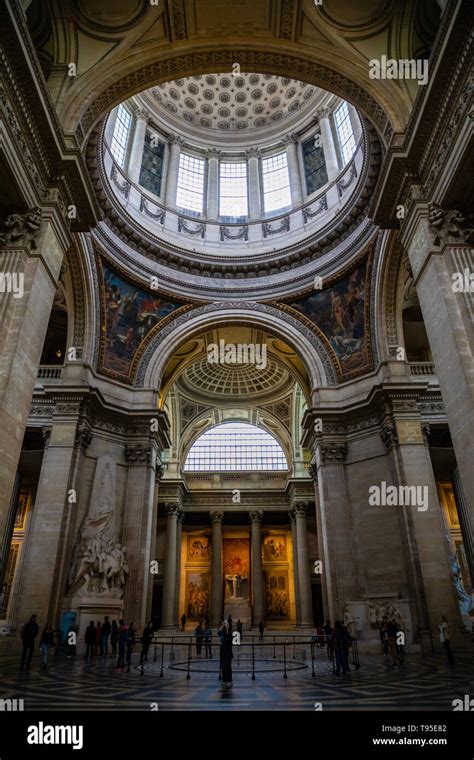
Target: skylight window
235	446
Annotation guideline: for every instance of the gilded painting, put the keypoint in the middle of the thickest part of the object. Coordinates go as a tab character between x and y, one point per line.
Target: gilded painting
22	509
274	549
199	548
339	312
129	314
277	598
197	595
236	556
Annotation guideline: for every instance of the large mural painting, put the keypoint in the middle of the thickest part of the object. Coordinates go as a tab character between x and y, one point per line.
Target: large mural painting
129	314
341	313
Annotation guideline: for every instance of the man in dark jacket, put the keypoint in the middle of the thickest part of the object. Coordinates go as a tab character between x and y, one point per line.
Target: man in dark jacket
104	636
28	634
90	639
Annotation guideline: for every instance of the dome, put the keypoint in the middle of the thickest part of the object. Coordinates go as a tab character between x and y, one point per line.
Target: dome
242	380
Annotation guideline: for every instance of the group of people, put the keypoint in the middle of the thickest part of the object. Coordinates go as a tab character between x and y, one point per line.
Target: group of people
338	642
203	635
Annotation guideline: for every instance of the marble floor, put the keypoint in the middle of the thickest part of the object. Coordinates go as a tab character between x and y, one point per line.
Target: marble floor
424	683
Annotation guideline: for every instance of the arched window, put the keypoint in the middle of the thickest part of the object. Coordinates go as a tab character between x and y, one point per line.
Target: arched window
235	446
190	192
233	204
345	133
276	183
121	134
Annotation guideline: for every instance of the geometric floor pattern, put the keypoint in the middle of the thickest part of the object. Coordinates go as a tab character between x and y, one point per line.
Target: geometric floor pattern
424	683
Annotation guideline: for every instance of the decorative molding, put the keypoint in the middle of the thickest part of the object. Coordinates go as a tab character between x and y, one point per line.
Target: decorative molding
241	234
346	181
158	217
322	206
123	187
284	226
183	226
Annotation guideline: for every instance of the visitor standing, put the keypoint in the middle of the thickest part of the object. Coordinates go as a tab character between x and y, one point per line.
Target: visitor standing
46	642
90	639
146	641
28	635
392	631
132	637
183	621
98	637
199	633
226	654
327	628
240	628
208	641
445	638
384	636
114	635
122	642
338	644
104	640
261	629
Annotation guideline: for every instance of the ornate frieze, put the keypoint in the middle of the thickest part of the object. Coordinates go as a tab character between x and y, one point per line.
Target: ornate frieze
283	226
138	453
332	452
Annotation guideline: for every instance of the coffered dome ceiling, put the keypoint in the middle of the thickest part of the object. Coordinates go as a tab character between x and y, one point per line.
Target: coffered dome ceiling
242	380
229	103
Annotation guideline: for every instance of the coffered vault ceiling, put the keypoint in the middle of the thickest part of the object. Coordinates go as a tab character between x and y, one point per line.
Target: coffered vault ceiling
230	103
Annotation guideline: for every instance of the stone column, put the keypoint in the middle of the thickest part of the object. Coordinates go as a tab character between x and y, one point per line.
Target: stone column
213	156
464	521
169	585
340	558
421	523
137	528
329	148
30	263
216	568
258	606
313	471
436	260
255	195
179	533
136	152
291	142
295	565
44	569
175	142
303	567
158	475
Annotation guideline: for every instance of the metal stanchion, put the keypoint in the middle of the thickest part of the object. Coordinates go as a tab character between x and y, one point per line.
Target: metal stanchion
142	659
284	660
154	658
188	676
274	651
294	647
312	660
253	660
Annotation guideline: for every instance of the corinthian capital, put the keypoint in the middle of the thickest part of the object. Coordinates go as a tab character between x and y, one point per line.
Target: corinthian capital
217	517
256	517
143	114
333	451
323	113
213	153
290	139
252	153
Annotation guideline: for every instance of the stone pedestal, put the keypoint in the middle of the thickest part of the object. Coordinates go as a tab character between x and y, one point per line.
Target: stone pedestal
93	608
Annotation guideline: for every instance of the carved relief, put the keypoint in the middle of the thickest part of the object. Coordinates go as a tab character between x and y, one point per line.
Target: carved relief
22	229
